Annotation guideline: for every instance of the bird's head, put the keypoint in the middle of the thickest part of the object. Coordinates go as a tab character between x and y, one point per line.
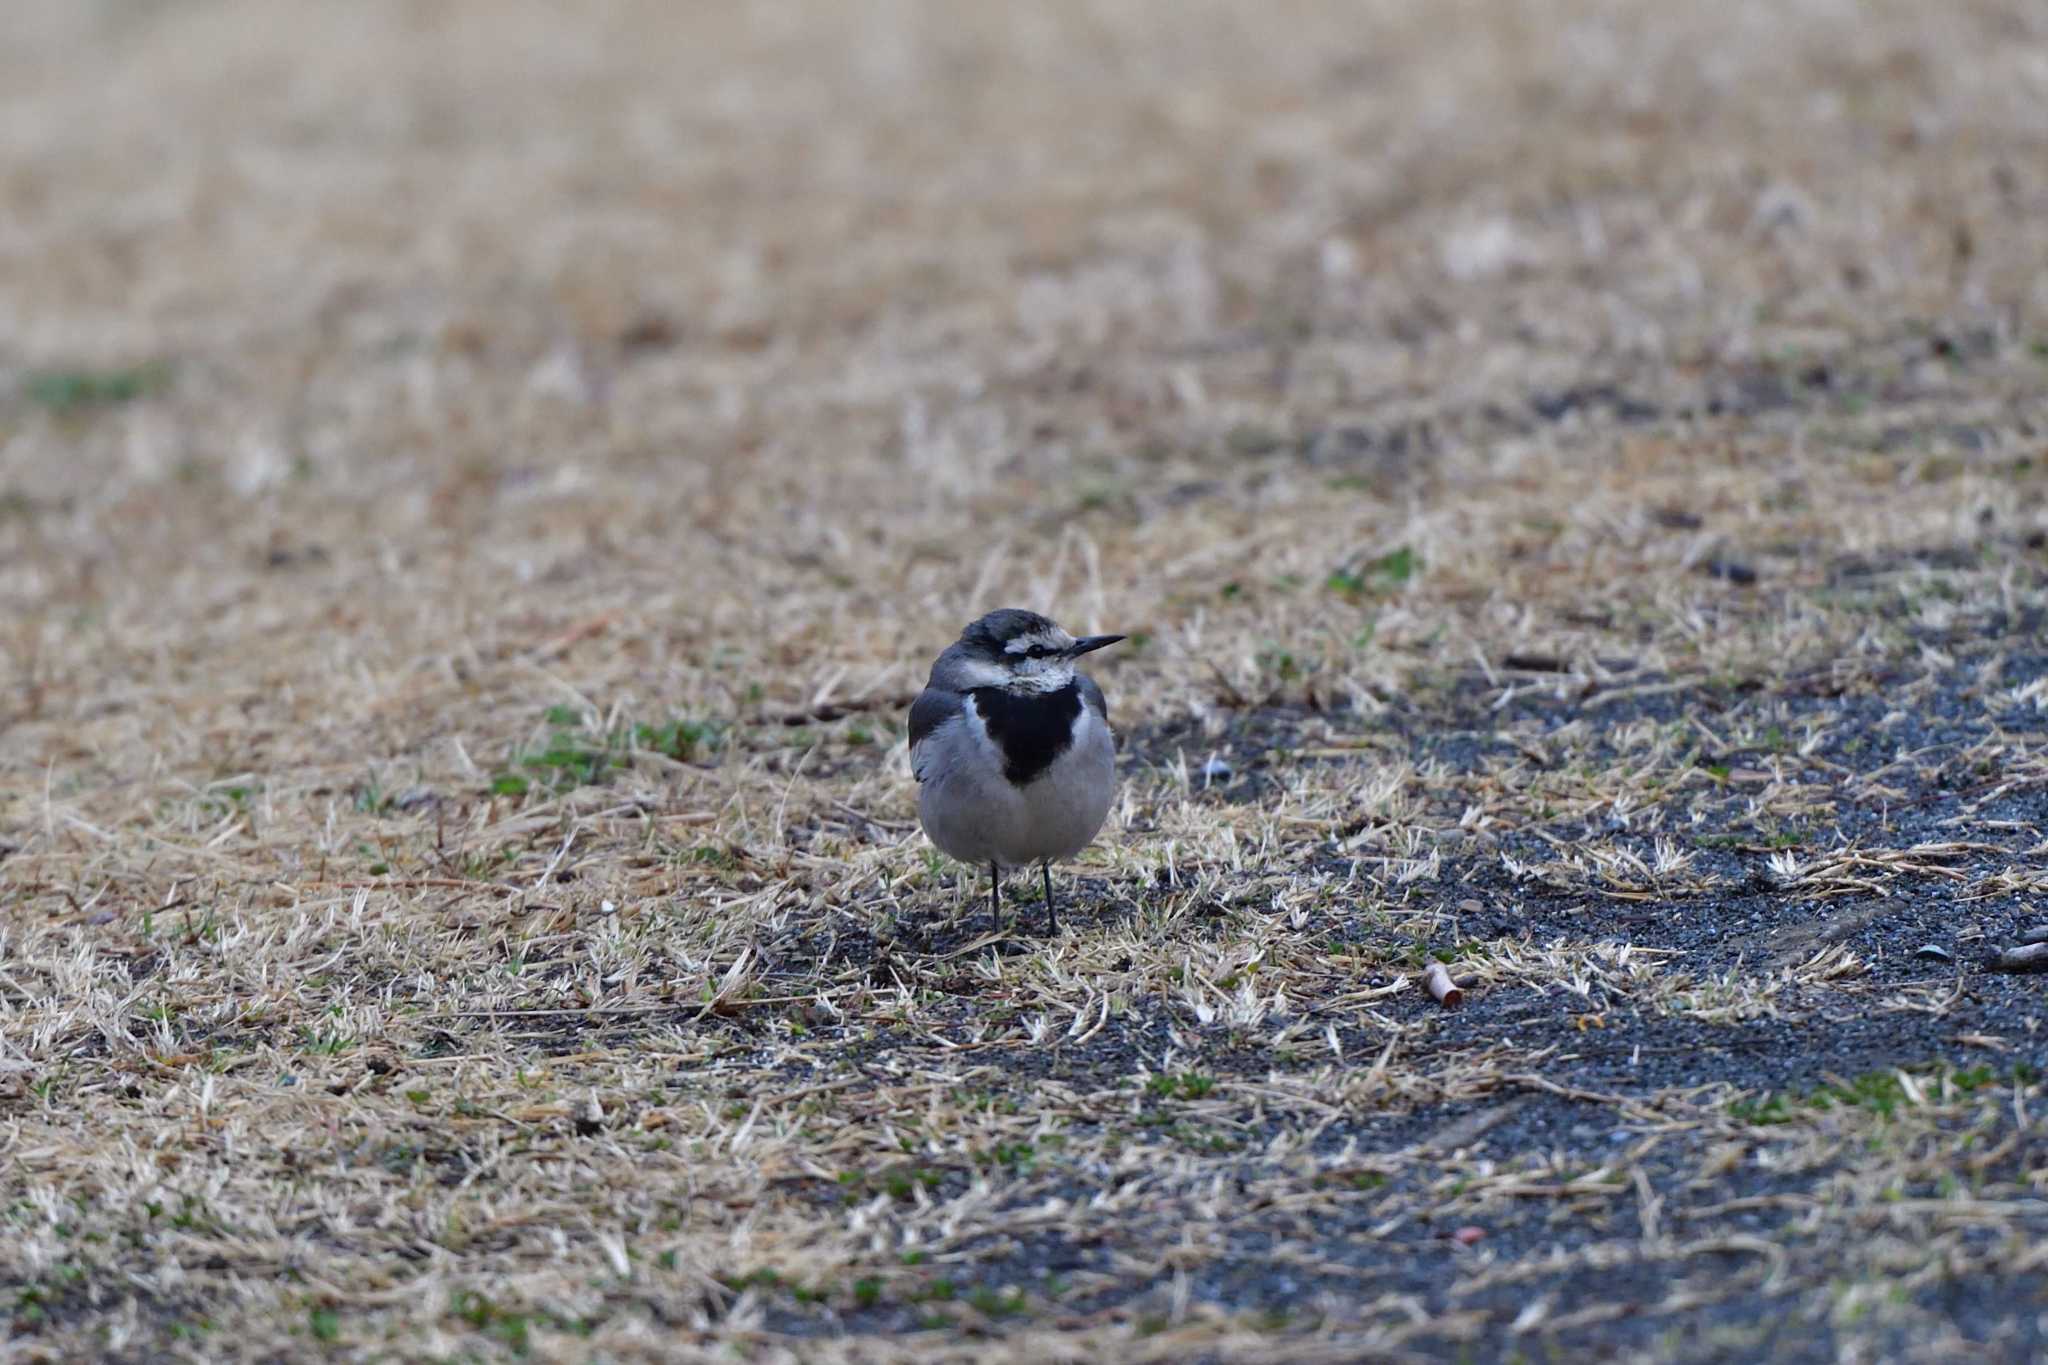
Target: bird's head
1021	651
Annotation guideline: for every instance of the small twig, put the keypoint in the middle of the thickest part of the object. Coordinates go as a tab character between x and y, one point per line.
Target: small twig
1237	698
596	1012
1600	699
1552	663
556	861
619	1011
1531	1081
791	1096
879	826
835	710
999	936
561	644
2031	957
404	884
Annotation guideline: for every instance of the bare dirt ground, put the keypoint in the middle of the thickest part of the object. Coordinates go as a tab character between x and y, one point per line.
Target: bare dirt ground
479	484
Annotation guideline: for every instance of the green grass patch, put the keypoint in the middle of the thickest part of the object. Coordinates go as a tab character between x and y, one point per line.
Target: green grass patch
1383	574
70	391
576	754
1877	1092
1187	1085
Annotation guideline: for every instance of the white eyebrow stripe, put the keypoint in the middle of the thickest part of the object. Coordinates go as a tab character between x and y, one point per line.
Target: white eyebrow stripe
1034	640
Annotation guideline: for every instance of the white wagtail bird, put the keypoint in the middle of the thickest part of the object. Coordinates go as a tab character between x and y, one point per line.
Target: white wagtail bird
1012	750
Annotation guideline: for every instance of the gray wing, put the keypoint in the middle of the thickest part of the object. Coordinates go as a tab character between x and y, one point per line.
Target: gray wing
1092	695
934	707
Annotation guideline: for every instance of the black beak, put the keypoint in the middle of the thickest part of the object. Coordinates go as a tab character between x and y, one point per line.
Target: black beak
1088	644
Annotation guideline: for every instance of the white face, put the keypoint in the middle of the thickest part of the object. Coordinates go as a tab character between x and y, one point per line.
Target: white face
1038	661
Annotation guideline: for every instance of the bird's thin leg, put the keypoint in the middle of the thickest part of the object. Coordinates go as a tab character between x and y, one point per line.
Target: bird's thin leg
1052	911
995	898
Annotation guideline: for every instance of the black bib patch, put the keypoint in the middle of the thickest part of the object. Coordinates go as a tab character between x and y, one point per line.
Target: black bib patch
1031	728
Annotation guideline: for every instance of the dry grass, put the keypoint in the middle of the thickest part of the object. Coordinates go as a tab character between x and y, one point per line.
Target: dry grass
479	485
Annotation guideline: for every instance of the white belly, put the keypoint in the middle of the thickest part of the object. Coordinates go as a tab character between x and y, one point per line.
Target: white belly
973	813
